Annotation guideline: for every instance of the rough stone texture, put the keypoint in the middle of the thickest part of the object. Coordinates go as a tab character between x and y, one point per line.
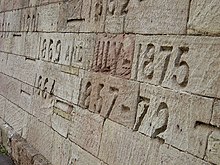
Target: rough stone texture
181	63
204	17
113	98
120	146
86	129
213	148
110	82
178	123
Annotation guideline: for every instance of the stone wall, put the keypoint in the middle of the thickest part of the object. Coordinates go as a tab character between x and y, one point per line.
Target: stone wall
113	82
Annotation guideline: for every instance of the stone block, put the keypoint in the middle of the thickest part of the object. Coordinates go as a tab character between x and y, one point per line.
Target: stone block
152	17
120	145
60	124
29	19
27	153
111	97
169	155
82	16
114	54
204	17
16	118
69	49
17	4
22	68
18	43
12	24
48	17
51	80
10	88
40	136
86	129
3	61
2	106
216	113
178	118
179	62
213	148
31	45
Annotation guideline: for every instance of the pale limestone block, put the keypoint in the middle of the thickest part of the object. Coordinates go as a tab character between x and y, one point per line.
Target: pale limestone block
48	17
40	136
174	117
22	68
6	41
84	45
26	95
178	62
10	88
116	15
2	5
60	124
8	5
213	148
120	145
216	113
2	106
155	17
29	19
63	85
1	18
61	151
111	97
3	61
16	118
42	108
12	20
17	4
85	130
82	16
31	45
204	17
68	49
18	43
171	156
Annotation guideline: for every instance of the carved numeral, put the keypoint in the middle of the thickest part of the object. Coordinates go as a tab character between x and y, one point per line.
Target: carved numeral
182	68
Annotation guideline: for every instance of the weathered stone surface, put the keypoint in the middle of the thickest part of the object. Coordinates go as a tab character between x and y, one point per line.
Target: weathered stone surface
181	63
16	118
82	16
114	55
216	113
17	4
10	23
204	17
21	68
179	122
60	124
67	49
48	17
3	61
155	17
85	130
112	97
2	106
171	156
29	19
17	43
51	80
213	148
40	160
39	135
121	146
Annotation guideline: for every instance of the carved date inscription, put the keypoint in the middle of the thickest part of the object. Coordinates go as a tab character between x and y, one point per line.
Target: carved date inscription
156	59
113	55
45	86
110	97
